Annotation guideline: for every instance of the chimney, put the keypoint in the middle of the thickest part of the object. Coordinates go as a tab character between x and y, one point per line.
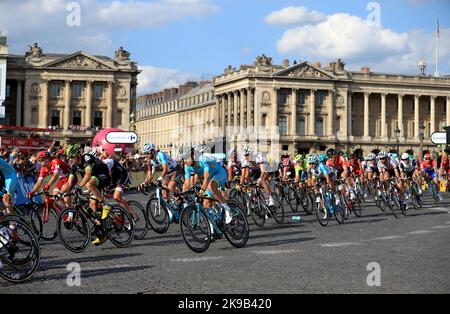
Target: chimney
286	63
365	70
318	64
204	83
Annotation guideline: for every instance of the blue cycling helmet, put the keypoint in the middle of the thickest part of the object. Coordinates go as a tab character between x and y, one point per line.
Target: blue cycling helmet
322	158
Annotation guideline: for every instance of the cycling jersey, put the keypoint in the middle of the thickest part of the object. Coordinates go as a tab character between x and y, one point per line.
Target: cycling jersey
119	175
9	177
320	171
428	165
390	164
411	166
99	170
337	163
355	166
162	159
245	163
56	166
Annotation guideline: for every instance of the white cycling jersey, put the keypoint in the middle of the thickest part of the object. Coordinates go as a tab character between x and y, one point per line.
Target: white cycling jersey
390	164
408	167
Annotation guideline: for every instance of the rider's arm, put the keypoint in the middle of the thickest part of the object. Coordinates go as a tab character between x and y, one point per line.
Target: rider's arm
87	176
53	178
149	176
206	177
164	170
37	185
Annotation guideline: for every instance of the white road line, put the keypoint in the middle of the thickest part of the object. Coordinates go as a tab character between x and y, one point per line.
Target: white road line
105	267
420	232
389	237
196	259
339	244
448	222
272	252
440	227
441	209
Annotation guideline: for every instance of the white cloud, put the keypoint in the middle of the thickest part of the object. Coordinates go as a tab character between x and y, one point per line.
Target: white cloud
153	79
44	21
360	43
294	15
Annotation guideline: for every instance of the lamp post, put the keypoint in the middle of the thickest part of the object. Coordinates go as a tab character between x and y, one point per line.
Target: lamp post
397	134
421	129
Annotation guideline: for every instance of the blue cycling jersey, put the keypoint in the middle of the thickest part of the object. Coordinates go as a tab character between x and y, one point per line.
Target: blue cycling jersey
162	159
206	163
10	176
321	171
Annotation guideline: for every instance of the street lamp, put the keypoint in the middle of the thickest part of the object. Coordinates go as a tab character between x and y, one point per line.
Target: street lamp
421	129
397	134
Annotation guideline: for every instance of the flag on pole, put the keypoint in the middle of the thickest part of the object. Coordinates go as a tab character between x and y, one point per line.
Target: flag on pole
437	26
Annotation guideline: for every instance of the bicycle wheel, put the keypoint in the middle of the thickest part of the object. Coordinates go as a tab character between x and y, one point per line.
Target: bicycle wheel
139	216
73	230
119	226
49	232
19	261
341	211
277	209
307	203
158	216
195	229
28	212
321	211
257	210
357	208
237	231
435	193
293	199
394	202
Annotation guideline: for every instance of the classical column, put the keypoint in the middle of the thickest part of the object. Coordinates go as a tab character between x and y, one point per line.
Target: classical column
242	103
88	114
294	112
249	107
448	110
109	105
416	116
235	112
330	114
432	114
383	116
224	108
67	101
400	115
43	110
19	103
349	114
366	114
275	107
312	113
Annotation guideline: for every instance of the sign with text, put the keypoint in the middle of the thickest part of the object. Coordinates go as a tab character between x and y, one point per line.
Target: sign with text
439	137
121	137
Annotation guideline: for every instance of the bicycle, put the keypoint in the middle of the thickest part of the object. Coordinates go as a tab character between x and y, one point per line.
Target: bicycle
200	226
412	191
75	232
48	212
326	205
18	263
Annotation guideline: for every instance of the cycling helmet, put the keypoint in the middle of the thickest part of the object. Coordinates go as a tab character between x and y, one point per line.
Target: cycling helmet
200	148
247	150
322	158
232	153
188	152
60	153
312	159
73	150
405	156
427	156
43	155
371	156
331	152
298	158
382	155
148	148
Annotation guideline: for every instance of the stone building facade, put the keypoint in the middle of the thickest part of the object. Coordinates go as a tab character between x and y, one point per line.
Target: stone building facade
74	93
292	107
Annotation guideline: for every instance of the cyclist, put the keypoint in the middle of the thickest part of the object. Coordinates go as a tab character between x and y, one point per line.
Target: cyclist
318	170
246	165
96	177
214	177
286	169
429	170
120	179
300	167
338	163
389	168
410	170
262	176
233	166
58	169
8	184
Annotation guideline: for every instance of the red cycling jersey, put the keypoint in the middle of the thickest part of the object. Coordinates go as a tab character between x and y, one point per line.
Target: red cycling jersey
428	164
445	163
56	166
356	166
337	163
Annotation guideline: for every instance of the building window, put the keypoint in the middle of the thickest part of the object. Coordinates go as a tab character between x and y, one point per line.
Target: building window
320	98
319	126
263	120
301	127
282	124
34	116
98	118
8	90
282	98
76	117
54	118
301	97
119	117
77	89
56	89
98	91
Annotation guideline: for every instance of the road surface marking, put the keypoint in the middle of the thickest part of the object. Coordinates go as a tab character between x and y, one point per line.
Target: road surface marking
440	227
339	244
420	232
271	252
196	259
389	237
441	209
448	222
105	267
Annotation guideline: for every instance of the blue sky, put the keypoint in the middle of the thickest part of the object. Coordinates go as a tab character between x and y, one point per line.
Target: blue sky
175	40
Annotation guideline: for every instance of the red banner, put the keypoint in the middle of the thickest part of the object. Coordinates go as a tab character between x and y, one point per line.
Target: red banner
33	143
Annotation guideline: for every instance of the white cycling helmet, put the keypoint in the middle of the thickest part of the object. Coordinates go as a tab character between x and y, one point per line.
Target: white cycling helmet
232	152
247	150
312	159
371	156
148	148
405	156
382	155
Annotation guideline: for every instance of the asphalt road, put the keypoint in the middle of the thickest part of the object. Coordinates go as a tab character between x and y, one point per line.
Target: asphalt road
412	255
